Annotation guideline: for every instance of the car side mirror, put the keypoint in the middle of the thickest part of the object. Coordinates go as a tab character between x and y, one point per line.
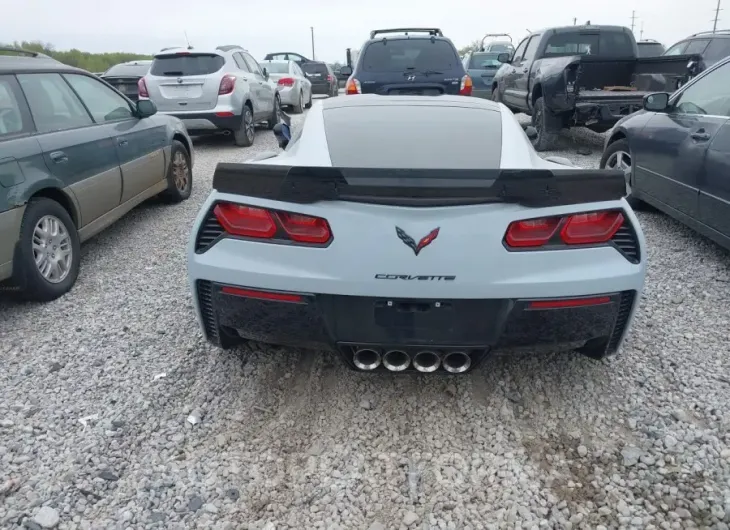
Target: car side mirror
283	134
265	72
345	70
504	57
146	108
531	132
657	102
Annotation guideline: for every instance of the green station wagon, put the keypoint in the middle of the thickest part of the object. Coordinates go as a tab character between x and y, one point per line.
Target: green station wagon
75	156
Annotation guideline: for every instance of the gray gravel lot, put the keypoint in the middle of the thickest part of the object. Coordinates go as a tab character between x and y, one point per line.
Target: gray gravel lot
290	439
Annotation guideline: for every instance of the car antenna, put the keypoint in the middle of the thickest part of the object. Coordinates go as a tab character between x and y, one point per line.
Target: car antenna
187	40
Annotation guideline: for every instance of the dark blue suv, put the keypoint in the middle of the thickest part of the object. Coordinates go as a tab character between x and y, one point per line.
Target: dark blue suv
426	64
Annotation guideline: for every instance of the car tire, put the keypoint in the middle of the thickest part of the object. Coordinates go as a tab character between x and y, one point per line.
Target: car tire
618	156
271	123
309	105
179	175
546	135
31	283
244	136
299	106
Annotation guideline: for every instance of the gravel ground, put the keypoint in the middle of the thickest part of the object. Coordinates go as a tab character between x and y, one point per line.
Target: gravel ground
114	412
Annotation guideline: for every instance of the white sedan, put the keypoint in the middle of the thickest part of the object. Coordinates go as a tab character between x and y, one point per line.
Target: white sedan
292	85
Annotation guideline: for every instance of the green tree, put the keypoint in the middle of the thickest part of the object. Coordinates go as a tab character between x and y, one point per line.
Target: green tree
473	46
92	62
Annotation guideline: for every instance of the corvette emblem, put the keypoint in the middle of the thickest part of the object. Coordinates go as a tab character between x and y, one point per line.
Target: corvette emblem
411	243
411	78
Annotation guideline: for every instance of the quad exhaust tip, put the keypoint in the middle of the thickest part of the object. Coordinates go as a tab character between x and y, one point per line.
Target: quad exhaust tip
396	360
366	359
456	362
426	361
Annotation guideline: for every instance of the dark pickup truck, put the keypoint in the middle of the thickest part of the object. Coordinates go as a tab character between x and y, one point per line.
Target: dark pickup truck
583	76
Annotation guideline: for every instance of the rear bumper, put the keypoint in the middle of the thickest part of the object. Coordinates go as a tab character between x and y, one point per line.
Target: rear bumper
473	326
208	122
604	113
321	88
10	222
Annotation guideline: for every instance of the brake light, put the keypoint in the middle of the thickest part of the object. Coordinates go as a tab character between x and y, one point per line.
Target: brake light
286	81
466	86
569	302
353	86
579	229
531	233
260	223
262	295
228	83
329	78
142	88
591	228
304	228
245	221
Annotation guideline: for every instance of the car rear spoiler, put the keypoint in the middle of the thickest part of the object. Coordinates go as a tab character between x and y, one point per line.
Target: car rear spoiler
420	187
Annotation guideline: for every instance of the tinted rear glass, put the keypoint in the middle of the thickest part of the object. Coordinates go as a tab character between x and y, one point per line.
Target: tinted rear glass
499	48
718	49
127	70
182	65
603	44
650	50
409	54
483	61
402	136
276	68
314	68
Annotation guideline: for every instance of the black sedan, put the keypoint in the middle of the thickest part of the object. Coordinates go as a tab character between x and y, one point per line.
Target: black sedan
676	153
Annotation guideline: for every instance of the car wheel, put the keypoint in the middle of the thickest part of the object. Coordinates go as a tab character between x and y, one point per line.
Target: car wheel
618	156
309	105
546	135
244	136
299	106
179	174
46	263
275	116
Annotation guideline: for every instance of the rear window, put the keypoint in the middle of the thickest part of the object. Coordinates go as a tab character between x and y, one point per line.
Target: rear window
409	54
603	44
718	49
500	48
276	68
402	136
188	64
127	70
650	50
482	61
314	68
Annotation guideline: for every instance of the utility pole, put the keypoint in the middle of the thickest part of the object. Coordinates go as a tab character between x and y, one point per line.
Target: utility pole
633	20
574	20
311	28
641	33
717	13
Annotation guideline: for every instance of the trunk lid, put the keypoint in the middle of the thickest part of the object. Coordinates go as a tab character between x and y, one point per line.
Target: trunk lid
185	81
125	85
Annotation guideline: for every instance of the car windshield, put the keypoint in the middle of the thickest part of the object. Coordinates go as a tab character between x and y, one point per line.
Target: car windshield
128	70
276	68
483	61
604	44
400	55
187	64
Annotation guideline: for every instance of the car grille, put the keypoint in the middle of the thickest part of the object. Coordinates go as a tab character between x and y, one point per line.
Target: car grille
627	243
210	231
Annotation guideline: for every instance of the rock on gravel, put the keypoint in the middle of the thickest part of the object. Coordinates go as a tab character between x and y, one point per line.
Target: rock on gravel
46	517
529	441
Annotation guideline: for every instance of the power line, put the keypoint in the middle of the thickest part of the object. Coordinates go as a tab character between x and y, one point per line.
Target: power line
717	14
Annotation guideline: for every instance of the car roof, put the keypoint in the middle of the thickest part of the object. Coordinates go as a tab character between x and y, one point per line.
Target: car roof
14	64
444	100
183	49
585	27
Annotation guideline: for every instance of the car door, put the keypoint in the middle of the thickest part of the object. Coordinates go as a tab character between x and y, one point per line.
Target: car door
510	95
140	143
522	81
670	150
76	150
264	90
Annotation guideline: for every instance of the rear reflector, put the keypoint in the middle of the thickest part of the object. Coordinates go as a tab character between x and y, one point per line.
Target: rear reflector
262	295
224	114
572	302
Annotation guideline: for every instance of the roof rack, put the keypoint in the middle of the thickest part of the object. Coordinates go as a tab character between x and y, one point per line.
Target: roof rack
649	41
21	51
434	32
229	47
723	31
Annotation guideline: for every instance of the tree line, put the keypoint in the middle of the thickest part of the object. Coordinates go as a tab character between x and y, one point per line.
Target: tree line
92	62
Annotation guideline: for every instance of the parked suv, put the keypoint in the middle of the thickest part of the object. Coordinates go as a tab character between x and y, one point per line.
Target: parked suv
712	47
322	77
406	64
221	90
75	156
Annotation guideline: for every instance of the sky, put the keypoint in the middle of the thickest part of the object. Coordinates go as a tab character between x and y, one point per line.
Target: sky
284	25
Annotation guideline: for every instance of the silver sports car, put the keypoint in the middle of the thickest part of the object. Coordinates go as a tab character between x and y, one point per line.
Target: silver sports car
415	234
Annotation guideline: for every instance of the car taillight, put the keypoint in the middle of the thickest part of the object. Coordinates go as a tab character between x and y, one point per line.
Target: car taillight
353	86
286	81
261	223
579	229
466	86
142	88
228	83
329	78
